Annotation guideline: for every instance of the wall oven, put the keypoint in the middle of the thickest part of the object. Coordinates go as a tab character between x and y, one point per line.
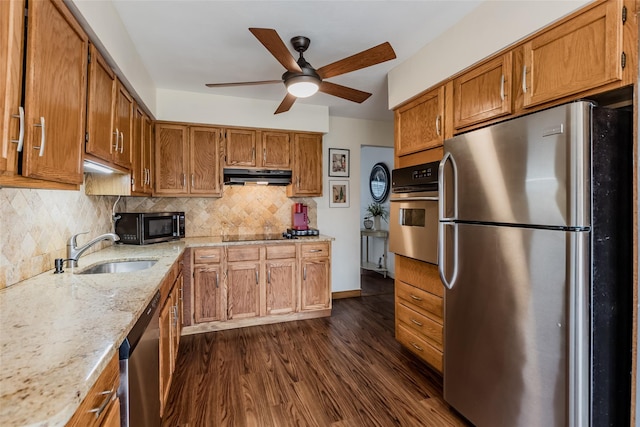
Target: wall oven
413	219
135	228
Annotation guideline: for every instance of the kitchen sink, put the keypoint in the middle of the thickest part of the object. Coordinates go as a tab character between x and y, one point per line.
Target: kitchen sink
127	266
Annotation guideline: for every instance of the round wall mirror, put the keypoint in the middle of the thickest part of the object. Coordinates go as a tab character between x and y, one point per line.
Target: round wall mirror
379	182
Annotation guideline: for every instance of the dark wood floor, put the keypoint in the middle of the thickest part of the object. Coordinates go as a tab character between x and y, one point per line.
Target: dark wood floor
345	370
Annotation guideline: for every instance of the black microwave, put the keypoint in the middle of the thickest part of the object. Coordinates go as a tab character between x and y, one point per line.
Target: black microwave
135	228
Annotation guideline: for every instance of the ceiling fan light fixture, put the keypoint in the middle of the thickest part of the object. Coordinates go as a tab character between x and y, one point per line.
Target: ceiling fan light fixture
302	86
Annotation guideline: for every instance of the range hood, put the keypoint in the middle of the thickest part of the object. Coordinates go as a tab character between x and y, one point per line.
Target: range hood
256	176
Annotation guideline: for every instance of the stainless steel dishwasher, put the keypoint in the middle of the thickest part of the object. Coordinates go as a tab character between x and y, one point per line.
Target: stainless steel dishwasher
139	390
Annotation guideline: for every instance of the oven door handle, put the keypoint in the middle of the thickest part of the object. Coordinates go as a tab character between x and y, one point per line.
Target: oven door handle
415	199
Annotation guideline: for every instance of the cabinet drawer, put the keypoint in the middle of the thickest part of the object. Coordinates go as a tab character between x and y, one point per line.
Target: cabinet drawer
243	253
311	250
207	255
419	298
419	274
419	347
100	399
425	327
281	251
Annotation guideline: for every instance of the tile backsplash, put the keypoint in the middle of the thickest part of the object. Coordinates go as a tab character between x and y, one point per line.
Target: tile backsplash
36	224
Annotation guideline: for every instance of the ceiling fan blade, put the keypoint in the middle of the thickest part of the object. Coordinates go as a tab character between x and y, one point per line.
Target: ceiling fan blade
274	44
261	82
286	103
381	53
345	92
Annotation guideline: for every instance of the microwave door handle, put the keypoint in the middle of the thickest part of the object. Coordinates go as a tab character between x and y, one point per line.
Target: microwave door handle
176	225
443	180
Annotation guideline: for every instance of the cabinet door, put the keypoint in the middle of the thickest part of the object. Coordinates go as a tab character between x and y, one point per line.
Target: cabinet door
100	106
281	286
124	125
138	171
207	288
276	150
307	166
171	153
243	293
205	160
54	106
314	289
11	42
419	124
483	93
165	351
147	155
240	147
581	54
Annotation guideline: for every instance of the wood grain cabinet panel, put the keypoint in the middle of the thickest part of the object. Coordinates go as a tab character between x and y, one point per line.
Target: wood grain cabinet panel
207	293
240	147
124	126
426	327
243	289
101	404
581	54
54	107
314	290
483	93
419	125
420	347
276	150
307	166
281	286
187	160
141	153
11	46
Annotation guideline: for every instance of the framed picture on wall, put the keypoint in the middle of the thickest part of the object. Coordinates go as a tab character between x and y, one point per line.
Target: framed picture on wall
338	162
339	193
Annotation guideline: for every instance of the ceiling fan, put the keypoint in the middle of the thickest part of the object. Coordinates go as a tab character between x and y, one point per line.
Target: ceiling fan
302	80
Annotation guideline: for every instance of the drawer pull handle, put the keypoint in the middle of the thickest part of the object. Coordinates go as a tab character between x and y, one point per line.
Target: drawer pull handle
207	256
416	346
100	409
415	298
257	278
20	140
415	322
315	250
217	278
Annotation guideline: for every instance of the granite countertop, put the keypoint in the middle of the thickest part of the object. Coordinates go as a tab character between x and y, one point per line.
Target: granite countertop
59	331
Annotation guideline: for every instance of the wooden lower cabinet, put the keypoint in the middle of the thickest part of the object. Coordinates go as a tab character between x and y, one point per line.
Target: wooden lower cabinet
419	309
101	407
170	329
242	285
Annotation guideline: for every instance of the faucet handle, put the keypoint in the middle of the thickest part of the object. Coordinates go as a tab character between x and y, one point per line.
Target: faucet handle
72	239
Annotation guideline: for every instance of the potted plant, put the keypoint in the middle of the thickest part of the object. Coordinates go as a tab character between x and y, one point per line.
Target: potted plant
377	211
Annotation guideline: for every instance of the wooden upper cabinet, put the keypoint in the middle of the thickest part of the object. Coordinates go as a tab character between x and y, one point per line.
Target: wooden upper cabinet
11	42
419	125
581	54
240	147
204	154
187	160
276	150
172	157
101	139
307	166
55	94
141	147
123	126
483	93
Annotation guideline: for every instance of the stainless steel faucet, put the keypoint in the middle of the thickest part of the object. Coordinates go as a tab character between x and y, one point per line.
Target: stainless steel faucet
74	252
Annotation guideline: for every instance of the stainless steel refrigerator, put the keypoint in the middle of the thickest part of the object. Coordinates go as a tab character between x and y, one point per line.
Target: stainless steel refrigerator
535	250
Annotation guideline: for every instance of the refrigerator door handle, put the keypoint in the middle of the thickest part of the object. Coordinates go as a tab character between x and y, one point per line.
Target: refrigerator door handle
445	183
448	262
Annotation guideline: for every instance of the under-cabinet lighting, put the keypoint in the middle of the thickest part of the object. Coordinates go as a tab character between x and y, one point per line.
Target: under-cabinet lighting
95	167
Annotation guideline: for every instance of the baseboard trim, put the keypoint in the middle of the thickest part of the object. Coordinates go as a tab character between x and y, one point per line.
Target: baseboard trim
346	294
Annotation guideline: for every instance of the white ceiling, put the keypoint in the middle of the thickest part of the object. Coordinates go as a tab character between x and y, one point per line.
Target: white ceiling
185	44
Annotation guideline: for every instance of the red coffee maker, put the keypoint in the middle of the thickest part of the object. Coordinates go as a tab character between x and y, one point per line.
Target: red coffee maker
299	218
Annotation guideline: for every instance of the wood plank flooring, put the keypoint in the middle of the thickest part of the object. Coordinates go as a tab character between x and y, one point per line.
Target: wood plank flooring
346	370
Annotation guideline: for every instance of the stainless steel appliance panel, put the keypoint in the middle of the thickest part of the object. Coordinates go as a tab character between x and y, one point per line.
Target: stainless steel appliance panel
507	340
413	225
531	170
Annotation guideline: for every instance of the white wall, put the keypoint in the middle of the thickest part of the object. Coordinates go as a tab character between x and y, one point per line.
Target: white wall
487	29
369	156
233	111
344	223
